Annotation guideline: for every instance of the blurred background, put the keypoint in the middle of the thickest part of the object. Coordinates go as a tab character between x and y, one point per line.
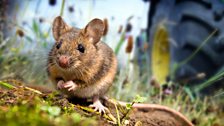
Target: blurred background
165	48
29	24
27	36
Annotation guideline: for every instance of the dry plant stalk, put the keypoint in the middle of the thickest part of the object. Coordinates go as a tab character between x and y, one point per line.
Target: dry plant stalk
129	46
120	29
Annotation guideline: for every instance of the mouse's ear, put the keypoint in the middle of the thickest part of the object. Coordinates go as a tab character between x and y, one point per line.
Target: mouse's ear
94	30
59	27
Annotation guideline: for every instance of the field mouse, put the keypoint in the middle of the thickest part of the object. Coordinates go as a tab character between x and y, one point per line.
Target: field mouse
79	64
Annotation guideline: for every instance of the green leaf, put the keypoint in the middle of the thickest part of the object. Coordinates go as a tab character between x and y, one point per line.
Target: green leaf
14	50
6	85
139	99
29	39
44	108
45	35
35	27
45	44
175	67
128	106
52	110
76	117
120	43
189	92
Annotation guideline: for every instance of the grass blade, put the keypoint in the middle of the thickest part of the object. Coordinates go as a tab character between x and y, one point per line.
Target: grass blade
120	43
62	7
198	49
7	85
210	81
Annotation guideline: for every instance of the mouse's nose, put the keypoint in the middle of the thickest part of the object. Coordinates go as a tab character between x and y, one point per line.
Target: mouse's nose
63	61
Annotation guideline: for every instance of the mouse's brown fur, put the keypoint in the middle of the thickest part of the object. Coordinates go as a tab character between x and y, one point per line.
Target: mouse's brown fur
94	70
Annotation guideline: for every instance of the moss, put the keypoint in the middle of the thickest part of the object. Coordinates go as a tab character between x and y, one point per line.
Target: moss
21	107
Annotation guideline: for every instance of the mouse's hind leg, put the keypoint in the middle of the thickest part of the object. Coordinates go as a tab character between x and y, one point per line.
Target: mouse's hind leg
98	106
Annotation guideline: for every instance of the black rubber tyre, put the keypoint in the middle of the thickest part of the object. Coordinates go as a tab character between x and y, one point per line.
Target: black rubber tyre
189	23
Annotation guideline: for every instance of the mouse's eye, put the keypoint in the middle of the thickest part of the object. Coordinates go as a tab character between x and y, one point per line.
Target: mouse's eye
59	44
81	48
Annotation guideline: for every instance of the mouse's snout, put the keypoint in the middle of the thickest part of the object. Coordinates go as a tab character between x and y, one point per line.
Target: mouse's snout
63	61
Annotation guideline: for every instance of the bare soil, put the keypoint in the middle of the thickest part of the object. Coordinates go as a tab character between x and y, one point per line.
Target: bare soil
155	118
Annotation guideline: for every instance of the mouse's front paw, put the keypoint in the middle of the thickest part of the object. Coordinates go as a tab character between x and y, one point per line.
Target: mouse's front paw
70	85
97	105
60	84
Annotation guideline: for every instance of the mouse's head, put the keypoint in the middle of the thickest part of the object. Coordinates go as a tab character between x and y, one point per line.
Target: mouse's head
75	47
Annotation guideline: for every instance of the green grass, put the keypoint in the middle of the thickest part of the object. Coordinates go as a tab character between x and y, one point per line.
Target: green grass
24	107
202	110
28	107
